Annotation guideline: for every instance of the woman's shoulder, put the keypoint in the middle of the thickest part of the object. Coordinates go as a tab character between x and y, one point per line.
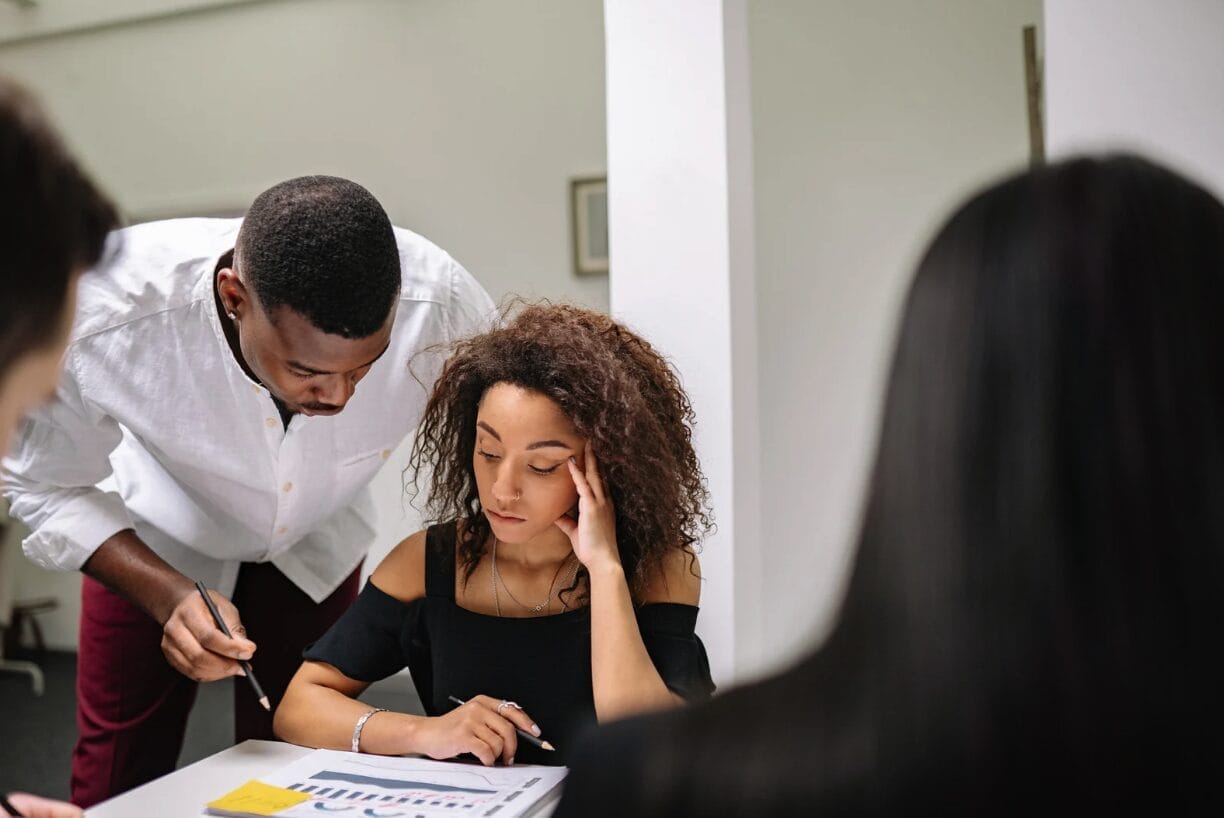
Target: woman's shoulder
678	579
401	574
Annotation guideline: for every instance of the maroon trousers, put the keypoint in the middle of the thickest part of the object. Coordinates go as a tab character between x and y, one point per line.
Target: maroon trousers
132	706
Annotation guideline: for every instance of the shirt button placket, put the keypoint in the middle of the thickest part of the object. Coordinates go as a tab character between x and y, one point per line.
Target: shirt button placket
286	466
276	436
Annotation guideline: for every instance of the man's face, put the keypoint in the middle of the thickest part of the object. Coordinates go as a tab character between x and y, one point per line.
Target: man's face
308	370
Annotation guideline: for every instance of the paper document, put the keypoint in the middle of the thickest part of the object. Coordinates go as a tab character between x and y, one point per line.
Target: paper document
354	785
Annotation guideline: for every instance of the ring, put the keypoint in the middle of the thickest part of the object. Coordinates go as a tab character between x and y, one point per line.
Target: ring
507	703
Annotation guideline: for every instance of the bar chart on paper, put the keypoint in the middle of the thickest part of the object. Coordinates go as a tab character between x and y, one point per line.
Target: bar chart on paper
349	785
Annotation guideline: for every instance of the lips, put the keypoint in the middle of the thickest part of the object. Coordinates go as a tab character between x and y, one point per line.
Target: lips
313	411
503	518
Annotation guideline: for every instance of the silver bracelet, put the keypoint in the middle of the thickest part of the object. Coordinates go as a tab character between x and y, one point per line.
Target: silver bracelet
361	723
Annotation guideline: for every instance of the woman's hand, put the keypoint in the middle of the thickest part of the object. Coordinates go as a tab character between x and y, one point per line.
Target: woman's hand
593	535
484	727
31	806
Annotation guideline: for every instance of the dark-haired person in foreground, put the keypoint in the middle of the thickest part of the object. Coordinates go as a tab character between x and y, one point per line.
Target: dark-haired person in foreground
1033	619
53	224
231	388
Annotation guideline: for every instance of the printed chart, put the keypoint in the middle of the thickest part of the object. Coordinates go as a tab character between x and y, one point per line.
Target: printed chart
350	785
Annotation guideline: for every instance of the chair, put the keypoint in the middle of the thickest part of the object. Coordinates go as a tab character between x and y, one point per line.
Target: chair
16	614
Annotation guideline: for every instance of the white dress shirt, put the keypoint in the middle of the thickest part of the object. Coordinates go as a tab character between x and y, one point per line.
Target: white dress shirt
156	427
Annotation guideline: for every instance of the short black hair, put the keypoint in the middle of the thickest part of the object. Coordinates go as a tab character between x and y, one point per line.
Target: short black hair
53	223
323	247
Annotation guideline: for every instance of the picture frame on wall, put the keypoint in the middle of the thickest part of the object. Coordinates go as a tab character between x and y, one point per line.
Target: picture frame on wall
589	219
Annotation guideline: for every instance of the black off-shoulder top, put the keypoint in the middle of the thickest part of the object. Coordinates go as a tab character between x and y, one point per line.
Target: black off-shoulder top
543	663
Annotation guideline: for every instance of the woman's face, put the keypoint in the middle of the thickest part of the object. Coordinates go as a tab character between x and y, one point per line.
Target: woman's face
31	378
522	443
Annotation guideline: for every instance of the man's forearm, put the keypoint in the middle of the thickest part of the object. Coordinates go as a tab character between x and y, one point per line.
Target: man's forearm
126	565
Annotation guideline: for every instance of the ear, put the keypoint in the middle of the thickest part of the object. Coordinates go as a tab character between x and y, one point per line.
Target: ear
235	300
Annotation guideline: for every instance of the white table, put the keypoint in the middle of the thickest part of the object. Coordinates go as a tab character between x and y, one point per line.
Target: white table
183	793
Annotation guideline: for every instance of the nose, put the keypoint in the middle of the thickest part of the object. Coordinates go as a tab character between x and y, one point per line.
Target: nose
336	390
505	488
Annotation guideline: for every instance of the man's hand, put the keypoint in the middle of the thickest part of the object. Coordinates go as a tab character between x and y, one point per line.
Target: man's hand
193	644
197	648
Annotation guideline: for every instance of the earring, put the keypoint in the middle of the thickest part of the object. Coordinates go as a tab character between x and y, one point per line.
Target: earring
232	317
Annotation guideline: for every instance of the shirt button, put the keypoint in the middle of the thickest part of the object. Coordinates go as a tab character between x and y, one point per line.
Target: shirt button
270	423
282	530
287	487
386	453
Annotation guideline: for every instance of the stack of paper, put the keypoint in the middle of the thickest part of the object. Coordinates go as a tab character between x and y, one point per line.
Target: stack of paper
330	782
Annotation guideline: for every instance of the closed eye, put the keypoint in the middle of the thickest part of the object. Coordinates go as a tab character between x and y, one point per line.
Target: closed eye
488	455
545	471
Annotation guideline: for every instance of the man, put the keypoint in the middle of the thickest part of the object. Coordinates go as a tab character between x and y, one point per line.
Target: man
210	426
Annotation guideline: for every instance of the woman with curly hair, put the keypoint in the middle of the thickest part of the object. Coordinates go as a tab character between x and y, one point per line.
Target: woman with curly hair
560	585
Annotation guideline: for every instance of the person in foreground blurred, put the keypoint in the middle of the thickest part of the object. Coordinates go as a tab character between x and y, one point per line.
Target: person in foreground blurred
53	225
561	582
32	806
1032	618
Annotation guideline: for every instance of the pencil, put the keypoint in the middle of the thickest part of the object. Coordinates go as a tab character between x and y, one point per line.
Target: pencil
9	808
543	745
246	666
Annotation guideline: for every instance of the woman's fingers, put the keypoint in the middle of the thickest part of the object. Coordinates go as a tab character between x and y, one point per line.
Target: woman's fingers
509	739
505	717
487	735
482	750
592	472
519	718
569	526
508	710
580	481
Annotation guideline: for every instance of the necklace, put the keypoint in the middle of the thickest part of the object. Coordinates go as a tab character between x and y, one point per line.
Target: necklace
535	609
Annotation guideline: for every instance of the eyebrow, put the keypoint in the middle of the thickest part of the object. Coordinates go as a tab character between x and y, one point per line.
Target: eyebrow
314	371
539	444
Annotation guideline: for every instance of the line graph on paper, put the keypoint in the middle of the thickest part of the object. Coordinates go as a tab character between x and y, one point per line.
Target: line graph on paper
361	786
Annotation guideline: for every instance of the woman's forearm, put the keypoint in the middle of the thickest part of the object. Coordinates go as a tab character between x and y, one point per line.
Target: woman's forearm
315	715
624	679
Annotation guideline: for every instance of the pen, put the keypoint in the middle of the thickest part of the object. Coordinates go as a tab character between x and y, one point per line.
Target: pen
9	808
246	666
543	745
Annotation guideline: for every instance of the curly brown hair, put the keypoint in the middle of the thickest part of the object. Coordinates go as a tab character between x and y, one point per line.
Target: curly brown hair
619	393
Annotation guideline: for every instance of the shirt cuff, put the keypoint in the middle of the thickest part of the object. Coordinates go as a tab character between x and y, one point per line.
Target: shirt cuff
76	529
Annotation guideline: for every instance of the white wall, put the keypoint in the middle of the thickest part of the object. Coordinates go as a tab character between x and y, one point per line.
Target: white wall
870	119
1138	75
466	119
25	19
680	200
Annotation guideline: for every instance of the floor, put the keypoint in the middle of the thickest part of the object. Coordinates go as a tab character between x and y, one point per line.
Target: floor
37	732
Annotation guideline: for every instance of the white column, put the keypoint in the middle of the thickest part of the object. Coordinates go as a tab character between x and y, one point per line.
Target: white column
681	243
1140	75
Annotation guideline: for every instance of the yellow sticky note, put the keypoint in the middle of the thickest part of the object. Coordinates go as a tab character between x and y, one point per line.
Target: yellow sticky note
257	798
